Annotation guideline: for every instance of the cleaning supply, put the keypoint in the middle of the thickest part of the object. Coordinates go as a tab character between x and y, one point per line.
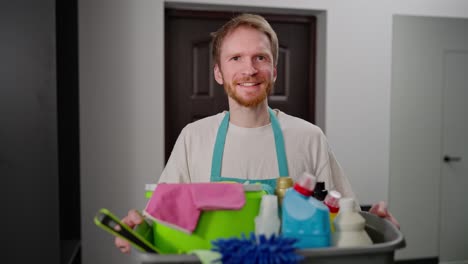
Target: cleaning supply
267	222
319	191
257	249
179	205
218	196
282	184
211	225
173	205
149	189
332	202
349	225
304	217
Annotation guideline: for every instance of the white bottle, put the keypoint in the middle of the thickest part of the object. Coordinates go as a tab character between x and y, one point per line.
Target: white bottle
267	222
349	226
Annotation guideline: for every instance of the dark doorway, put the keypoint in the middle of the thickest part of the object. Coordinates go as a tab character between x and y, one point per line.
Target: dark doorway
192	93
68	130
39	162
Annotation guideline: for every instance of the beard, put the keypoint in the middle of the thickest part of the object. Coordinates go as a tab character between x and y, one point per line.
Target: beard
253	98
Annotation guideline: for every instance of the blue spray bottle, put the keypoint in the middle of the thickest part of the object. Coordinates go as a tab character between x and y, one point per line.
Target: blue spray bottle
304	217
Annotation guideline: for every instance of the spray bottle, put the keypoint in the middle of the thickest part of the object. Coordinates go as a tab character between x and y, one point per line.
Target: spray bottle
304	217
267	222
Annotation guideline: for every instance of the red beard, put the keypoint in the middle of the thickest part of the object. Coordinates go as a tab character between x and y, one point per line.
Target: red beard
254	98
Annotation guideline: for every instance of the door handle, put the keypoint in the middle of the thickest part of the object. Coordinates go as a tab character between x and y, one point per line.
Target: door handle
448	159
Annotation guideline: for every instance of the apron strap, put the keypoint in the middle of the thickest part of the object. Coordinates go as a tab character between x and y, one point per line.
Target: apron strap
218	151
279	143
217	159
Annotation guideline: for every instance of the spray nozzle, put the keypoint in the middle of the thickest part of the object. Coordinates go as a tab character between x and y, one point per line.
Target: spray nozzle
347	205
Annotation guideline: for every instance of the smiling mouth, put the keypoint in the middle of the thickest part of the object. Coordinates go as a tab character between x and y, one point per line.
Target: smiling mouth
248	84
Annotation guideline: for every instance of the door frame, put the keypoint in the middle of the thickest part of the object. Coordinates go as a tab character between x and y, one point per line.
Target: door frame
211	14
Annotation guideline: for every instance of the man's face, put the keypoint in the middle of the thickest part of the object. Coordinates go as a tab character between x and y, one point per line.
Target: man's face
246	66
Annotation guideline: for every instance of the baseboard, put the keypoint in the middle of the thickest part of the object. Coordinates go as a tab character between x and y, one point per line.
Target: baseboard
419	261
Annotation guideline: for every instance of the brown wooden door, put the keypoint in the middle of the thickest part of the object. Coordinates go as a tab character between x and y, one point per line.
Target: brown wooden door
191	90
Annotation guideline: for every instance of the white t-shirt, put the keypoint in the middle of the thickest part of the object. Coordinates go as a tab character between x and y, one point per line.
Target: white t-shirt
250	153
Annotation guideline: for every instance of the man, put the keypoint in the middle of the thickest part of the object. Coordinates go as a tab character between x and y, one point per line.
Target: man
251	142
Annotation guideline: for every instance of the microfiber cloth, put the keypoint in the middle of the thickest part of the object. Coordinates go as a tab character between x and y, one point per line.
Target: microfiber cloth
218	196
179	205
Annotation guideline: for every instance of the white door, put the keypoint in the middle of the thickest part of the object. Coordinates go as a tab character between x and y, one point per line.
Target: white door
454	178
429	120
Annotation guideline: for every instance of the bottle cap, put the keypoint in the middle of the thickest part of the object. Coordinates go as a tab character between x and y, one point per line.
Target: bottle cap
305	184
332	201
320	186
284	182
319	191
347	204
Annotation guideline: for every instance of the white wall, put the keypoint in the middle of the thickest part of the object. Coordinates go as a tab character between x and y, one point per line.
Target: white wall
121	112
121	94
417	194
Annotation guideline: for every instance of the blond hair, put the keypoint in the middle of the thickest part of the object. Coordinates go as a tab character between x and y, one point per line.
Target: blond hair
255	21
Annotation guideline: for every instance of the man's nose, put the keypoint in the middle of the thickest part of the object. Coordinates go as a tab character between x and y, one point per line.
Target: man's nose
249	68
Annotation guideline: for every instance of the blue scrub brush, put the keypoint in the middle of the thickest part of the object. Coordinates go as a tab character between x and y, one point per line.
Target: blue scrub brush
276	249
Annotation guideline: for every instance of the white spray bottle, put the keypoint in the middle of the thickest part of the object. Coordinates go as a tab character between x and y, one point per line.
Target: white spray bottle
267	222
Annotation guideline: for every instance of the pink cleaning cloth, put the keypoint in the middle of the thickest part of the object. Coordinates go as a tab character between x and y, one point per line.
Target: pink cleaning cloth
218	196
172	205
179	205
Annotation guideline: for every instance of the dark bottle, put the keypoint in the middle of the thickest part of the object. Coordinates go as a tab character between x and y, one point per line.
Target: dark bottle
319	191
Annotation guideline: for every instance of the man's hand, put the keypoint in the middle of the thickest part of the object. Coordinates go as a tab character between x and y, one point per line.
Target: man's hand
381	210
132	219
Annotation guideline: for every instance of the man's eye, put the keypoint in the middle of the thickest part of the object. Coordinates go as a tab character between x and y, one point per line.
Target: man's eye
235	58
261	58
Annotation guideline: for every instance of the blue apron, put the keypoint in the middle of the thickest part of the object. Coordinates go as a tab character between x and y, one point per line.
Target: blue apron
268	185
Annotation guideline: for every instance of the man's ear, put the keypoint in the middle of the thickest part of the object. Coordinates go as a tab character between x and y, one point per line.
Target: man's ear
218	75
